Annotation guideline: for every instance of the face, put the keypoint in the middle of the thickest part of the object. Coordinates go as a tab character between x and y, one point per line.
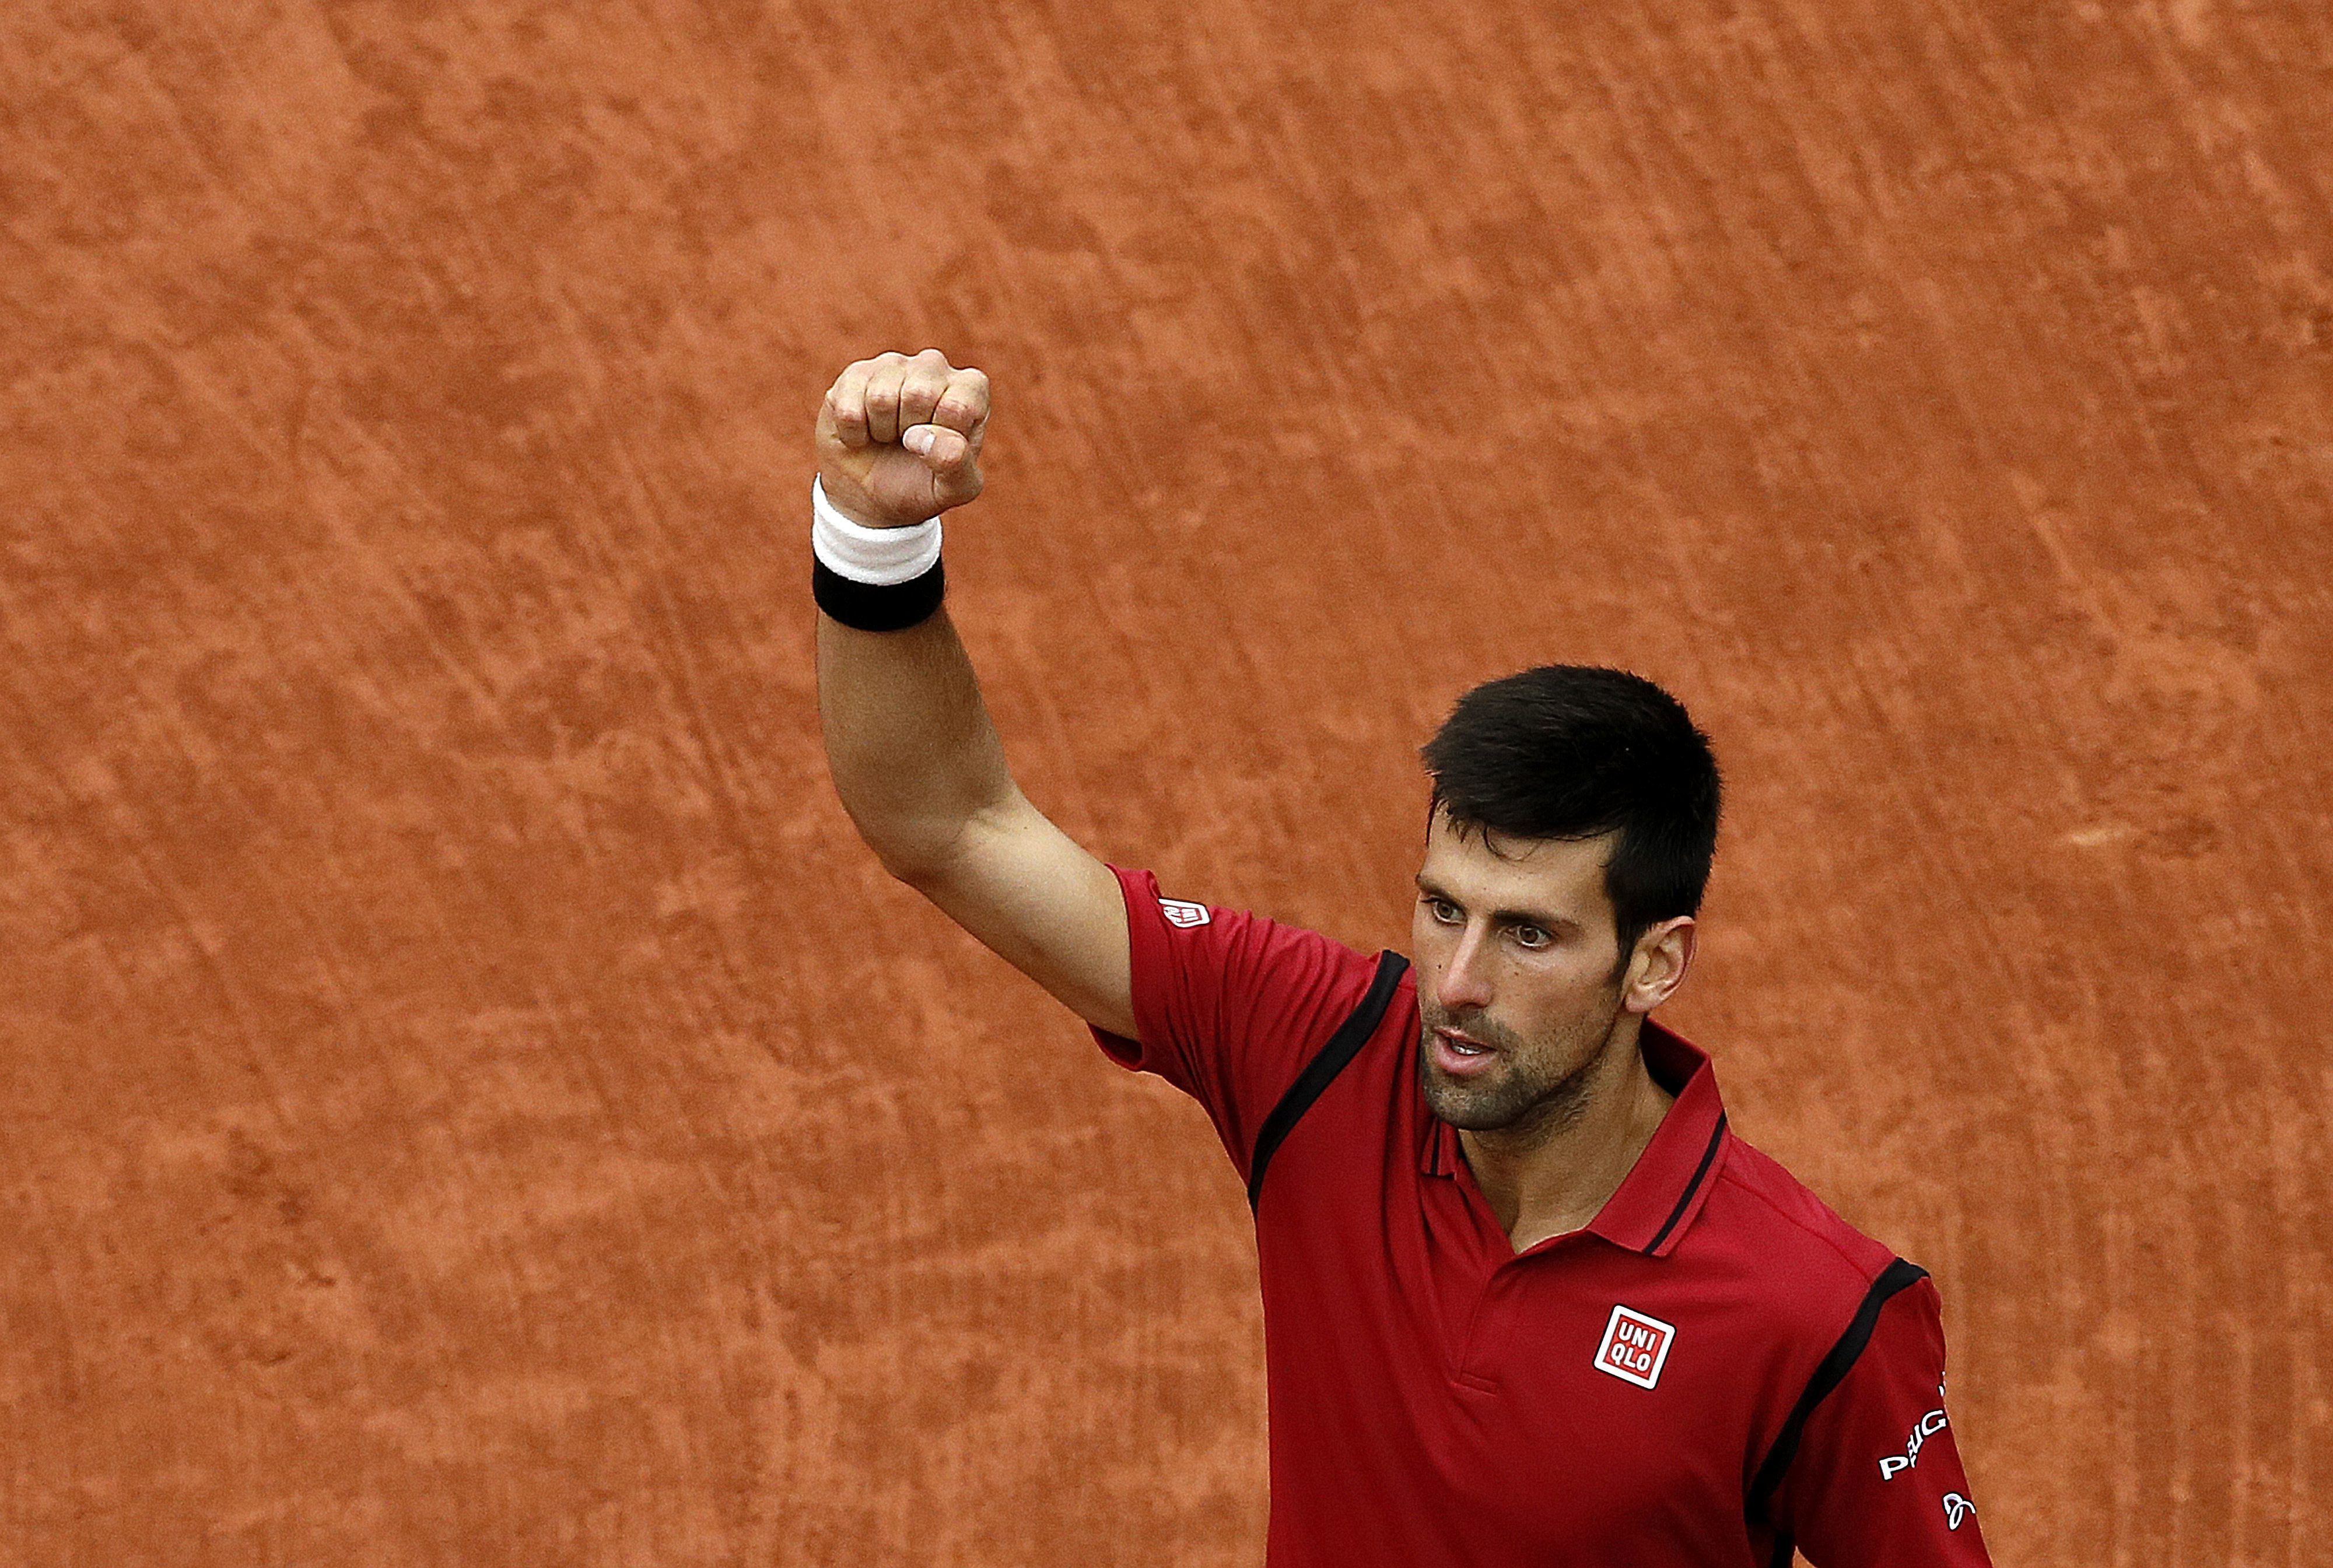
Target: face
1518	955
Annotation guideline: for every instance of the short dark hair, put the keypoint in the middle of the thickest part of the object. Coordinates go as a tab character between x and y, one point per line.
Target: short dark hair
1576	751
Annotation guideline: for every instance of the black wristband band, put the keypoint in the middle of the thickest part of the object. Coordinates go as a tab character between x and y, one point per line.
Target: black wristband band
873	607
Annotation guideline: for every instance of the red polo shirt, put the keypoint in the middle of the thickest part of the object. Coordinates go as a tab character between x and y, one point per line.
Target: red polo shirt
1716	1369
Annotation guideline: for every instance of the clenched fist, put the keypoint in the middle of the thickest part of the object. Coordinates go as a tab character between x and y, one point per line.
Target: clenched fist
899	439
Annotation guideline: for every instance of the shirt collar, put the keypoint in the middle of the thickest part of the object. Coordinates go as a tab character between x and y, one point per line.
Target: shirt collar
1670	1181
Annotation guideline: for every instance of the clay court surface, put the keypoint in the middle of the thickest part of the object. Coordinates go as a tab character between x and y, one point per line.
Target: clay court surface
466	1098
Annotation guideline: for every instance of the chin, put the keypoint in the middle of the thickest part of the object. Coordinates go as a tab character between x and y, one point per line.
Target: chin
1468	1110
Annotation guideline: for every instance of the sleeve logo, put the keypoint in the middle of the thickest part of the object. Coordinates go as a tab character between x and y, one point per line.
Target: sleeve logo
1956	1508
1636	1347
1935	1421
1185	915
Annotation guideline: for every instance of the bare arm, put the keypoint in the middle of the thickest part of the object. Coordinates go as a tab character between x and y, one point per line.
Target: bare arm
914	756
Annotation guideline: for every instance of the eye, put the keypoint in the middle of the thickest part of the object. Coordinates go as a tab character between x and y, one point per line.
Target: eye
1531	936
1447	912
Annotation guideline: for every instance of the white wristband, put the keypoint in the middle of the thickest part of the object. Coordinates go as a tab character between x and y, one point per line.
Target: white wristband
883	557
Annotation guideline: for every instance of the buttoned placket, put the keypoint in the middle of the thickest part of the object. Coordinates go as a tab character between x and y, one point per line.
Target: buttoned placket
1491	1323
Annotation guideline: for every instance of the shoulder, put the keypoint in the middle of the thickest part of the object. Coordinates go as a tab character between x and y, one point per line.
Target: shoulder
1815	1268
1179	934
1231	1006
1207	979
1806	1293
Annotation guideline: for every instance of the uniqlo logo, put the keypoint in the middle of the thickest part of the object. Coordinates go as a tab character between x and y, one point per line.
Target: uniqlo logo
1182	912
1634	1347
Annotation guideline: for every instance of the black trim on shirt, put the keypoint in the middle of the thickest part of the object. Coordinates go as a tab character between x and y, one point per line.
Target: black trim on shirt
1829	1374
1321	1070
1708	1158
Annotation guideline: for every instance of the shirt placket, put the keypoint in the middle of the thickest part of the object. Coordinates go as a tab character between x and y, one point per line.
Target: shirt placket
1468	1254
1505	1298
1479	1357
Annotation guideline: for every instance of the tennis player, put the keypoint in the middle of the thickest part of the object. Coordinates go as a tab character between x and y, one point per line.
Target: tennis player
1528	1299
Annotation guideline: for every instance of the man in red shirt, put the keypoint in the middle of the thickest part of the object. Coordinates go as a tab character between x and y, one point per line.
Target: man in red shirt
1527	1299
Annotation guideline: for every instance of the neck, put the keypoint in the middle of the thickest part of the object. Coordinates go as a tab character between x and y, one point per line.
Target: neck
1551	1175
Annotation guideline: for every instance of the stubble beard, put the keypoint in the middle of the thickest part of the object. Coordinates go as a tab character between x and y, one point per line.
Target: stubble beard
1512	1096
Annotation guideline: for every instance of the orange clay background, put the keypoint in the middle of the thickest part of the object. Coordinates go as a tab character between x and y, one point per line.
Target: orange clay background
469	1099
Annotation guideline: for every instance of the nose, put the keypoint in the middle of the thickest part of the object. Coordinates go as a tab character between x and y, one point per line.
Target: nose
1463	985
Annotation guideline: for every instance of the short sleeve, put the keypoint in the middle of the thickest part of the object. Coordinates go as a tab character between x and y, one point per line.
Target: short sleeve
1877	1479
1230	1006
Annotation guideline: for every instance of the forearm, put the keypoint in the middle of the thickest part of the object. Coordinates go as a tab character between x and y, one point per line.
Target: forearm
908	741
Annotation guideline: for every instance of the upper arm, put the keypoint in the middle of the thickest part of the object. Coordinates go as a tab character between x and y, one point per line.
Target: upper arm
1878	1481
1223	1005
1044	904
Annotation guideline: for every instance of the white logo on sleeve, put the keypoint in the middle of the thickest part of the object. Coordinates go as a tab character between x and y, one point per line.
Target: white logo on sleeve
1935	1421
1185	915
1636	1347
1956	1508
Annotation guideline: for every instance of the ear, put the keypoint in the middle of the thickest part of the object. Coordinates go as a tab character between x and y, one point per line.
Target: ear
1663	952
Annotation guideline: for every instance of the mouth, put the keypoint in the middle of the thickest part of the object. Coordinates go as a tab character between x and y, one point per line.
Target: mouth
1460	1054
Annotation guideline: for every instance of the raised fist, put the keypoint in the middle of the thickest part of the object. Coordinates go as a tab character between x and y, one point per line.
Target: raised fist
898	439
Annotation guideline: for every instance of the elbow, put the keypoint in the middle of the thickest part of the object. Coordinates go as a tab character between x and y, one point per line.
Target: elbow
919	856
918	871
929	852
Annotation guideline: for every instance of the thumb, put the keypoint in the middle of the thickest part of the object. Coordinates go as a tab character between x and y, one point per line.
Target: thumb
940	447
950	455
